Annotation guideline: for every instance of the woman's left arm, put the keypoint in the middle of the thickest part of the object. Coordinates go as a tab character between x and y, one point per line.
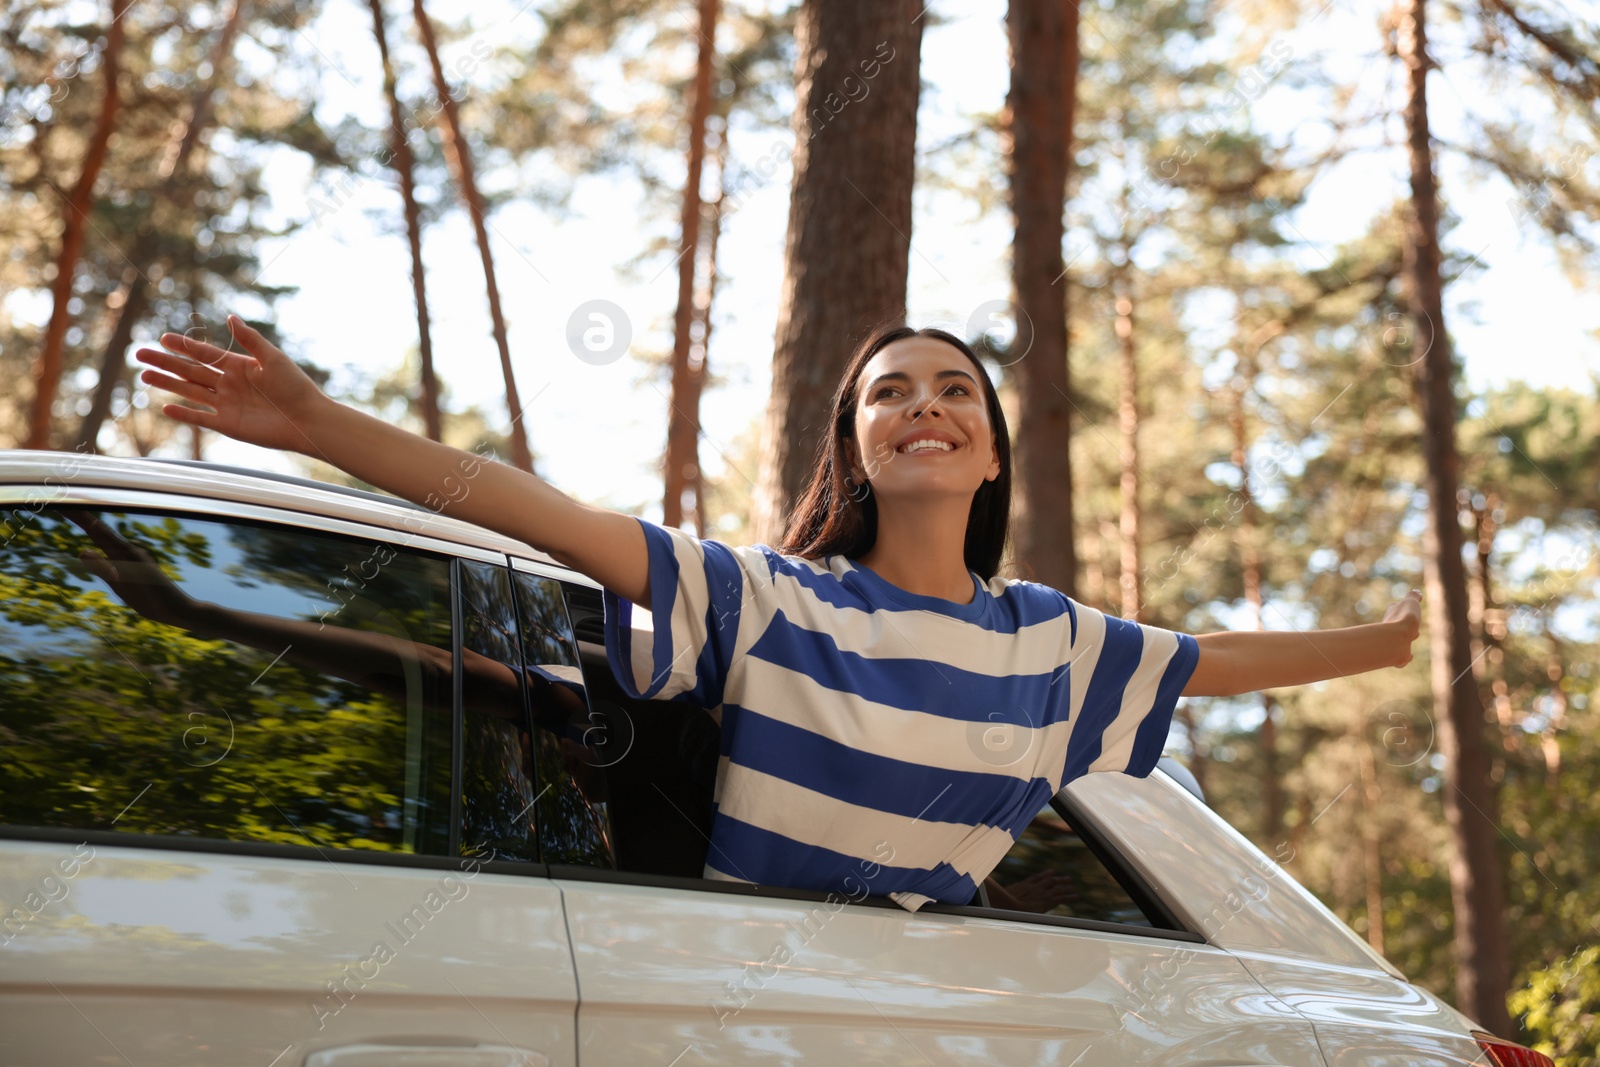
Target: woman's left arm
1245	661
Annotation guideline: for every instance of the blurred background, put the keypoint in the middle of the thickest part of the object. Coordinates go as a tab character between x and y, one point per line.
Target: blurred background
1292	305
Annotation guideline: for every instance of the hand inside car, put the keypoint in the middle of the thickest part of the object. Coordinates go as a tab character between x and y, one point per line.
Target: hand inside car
1038	893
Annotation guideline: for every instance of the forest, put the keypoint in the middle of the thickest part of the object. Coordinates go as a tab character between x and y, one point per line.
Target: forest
1292	305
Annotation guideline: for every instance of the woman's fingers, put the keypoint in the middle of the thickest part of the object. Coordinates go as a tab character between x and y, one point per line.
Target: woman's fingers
200	394
181	366
201	351
248	336
206	420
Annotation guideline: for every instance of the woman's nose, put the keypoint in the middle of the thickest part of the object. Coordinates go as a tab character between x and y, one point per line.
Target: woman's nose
927	405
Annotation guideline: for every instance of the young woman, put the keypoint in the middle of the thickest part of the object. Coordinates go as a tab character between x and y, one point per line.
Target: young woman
893	713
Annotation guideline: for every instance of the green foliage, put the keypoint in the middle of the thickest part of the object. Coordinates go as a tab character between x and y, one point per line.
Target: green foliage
196	232
116	720
1560	1008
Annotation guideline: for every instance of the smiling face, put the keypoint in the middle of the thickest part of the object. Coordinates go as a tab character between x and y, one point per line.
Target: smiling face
922	422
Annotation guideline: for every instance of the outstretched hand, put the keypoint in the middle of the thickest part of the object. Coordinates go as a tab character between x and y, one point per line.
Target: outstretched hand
1407	614
256	395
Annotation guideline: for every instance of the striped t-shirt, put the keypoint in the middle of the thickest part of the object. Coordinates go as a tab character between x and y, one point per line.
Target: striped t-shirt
876	741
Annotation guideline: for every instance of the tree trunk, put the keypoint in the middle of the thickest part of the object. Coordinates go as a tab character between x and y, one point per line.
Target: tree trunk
1250	568
403	165
1093	590
1488	623
135	299
682	464
1132	579
135	296
460	158
1110	552
1199	765
47	368
1555	722
1039	106
1371	859
845	259
1471	803
703	315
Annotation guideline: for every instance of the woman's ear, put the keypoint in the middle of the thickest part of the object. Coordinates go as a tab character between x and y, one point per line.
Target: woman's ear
994	460
852	463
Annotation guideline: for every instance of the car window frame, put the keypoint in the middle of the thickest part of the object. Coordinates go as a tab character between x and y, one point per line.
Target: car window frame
563	578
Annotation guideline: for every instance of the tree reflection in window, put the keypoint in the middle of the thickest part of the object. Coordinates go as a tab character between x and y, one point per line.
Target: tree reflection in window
571	741
172	675
497	789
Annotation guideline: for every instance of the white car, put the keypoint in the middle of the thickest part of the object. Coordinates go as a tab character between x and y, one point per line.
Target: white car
292	774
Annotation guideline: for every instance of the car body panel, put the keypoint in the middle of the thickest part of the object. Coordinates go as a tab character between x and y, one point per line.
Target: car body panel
1368	1018
1218	883
1362	1007
192	957
728	978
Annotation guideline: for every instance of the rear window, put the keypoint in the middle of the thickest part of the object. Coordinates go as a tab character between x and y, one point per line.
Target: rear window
175	675
1052	870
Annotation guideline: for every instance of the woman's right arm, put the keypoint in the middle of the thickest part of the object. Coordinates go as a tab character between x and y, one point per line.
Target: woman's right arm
259	396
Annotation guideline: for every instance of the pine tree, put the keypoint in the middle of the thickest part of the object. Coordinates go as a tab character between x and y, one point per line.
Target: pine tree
74	220
404	168
1039	109
681	467
459	154
857	85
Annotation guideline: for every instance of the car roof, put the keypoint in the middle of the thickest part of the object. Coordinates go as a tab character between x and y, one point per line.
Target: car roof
226	484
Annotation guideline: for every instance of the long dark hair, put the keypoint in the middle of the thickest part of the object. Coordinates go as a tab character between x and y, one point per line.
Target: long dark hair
830	519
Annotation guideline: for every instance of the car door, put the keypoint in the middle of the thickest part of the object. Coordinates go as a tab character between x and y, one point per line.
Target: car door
671	972
261	802
675	969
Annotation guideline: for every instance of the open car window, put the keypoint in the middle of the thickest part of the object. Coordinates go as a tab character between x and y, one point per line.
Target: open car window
1053	870
658	761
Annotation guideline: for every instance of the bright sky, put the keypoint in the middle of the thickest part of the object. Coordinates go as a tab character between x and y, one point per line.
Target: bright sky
599	432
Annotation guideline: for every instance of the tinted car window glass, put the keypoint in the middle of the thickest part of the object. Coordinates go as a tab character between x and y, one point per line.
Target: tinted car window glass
172	675
497	790
571	741
1052	871
656	760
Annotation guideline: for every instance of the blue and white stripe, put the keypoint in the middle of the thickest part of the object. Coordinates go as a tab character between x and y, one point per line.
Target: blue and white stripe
865	728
